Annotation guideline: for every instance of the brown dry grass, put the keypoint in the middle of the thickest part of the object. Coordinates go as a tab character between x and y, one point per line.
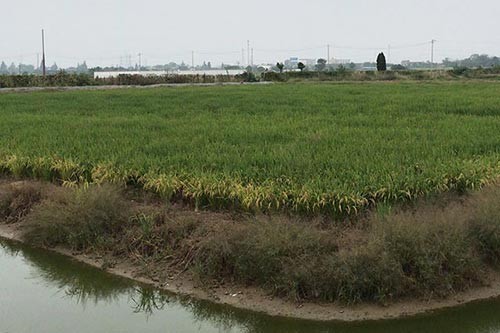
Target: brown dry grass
17	199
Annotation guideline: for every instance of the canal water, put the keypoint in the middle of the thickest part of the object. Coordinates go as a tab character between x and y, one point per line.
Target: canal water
41	292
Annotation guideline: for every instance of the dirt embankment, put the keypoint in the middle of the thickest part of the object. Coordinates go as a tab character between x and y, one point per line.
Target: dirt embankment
173	249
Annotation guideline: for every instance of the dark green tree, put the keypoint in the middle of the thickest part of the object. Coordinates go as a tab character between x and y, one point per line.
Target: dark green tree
321	65
12	69
280	66
398	68
54	68
82	68
381	62
183	66
3	68
301	66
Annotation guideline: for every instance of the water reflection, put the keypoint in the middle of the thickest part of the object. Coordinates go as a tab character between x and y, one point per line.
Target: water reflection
149	300
91	288
84	284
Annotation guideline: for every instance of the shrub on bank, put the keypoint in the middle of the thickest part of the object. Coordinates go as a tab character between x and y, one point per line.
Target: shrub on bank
400	258
433	251
154	235
258	252
18	200
81	219
485	224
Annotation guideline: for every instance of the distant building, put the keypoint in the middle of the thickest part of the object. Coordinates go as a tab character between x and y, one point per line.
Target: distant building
335	61
210	72
265	67
294	61
309	62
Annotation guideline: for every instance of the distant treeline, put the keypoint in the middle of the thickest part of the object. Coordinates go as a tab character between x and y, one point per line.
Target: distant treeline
343	74
474	61
63	79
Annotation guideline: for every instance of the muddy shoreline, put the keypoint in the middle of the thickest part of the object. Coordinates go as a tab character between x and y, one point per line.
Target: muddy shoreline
256	300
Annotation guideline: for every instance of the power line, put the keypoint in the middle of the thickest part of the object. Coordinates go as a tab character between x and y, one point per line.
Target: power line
248	53
291	50
409	46
219	53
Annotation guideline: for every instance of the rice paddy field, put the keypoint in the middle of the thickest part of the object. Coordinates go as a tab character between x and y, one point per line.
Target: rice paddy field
308	148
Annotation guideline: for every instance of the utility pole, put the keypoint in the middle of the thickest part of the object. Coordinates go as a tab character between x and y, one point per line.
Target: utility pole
248	52
432	52
328	54
140	60
242	57
251	62
44	70
192	60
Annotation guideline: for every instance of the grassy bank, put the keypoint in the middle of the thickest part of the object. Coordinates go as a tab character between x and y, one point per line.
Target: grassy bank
432	251
311	148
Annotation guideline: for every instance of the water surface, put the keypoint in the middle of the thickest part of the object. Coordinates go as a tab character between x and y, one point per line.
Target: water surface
42	292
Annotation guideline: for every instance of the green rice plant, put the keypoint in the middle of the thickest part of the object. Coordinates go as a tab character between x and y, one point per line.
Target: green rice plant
306	148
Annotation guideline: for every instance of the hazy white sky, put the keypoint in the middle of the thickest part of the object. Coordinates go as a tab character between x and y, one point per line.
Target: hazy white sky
105	31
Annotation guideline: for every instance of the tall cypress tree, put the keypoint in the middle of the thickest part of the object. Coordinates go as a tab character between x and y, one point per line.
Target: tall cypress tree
381	63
